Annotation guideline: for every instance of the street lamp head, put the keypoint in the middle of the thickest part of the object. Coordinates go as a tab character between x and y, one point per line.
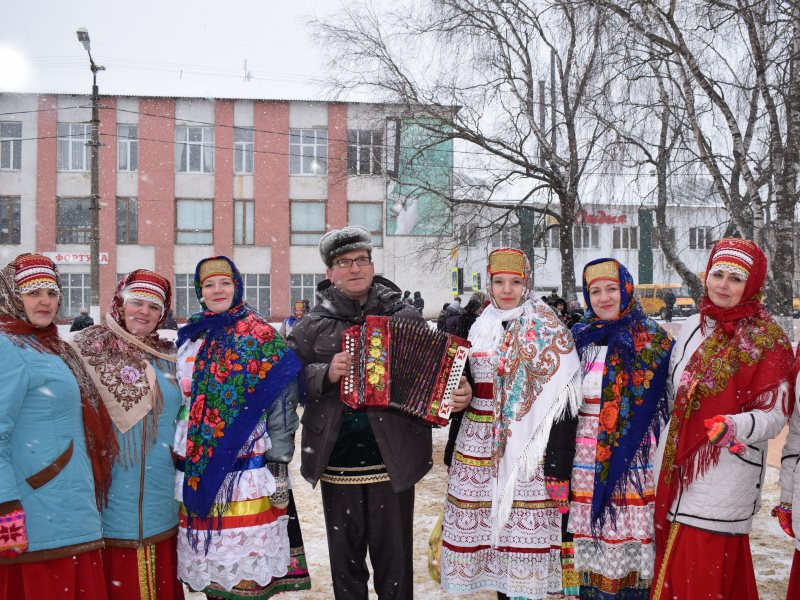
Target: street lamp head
83	38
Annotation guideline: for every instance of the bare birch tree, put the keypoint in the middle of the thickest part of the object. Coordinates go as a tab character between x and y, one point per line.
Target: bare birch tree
735	75
487	58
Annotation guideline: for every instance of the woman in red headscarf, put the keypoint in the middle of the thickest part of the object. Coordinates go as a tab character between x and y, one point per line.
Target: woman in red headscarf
730	375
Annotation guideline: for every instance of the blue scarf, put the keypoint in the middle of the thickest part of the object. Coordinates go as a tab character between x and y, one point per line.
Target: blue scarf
241	369
633	400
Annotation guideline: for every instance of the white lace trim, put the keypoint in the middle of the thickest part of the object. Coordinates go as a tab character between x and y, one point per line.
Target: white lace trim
258	554
253	484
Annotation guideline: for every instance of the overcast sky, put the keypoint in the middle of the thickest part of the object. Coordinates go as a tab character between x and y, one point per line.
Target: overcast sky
164	47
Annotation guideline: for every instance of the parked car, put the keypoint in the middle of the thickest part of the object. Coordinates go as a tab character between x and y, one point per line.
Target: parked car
651	296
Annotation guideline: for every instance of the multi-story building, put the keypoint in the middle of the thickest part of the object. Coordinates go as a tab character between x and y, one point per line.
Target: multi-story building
186	178
623	229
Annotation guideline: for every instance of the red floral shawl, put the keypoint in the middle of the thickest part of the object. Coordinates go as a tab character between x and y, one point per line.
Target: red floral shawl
738	368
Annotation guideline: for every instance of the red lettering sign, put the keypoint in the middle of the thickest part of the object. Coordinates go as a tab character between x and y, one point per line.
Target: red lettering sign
599	218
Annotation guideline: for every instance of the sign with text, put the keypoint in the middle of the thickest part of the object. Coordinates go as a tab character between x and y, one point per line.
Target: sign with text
599	218
75	258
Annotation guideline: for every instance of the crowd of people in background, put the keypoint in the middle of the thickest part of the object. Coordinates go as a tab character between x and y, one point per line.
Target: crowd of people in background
590	454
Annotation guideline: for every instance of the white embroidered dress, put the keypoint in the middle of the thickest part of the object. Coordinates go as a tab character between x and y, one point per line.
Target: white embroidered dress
253	544
625	550
527	561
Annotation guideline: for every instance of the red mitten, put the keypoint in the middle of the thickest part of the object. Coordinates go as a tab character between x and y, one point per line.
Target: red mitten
783	512
13	535
722	432
558	491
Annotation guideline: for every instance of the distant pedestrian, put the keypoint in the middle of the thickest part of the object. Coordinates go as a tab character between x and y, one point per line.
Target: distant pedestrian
442	318
170	322
300	310
552	297
669	304
82	321
407	298
453	316
418	302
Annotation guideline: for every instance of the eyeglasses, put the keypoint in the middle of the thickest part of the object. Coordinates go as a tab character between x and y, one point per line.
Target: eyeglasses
346	263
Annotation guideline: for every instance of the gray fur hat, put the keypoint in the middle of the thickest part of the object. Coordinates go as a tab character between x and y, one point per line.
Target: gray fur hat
339	241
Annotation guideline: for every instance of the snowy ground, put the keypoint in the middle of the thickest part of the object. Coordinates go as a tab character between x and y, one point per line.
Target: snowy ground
772	549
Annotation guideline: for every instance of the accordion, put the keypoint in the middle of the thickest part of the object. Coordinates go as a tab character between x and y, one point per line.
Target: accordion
403	365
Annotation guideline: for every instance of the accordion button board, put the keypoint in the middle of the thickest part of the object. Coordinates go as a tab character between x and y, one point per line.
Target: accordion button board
403	365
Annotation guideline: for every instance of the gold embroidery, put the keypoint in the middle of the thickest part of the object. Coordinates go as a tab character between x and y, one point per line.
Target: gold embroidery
145	559
354	479
673	533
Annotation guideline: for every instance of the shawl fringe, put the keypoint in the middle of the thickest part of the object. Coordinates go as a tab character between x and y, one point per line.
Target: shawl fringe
566	405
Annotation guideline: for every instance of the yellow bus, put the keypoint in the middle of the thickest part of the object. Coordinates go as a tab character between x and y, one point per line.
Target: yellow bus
651	297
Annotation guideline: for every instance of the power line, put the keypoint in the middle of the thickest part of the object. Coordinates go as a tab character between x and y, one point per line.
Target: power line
454	152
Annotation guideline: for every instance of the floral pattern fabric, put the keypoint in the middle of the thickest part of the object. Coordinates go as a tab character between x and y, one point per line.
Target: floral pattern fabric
234	372
633	401
618	559
242	367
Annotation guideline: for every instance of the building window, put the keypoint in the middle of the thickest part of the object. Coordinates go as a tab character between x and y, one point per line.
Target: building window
127	147
655	238
505	236
308	223
194	149
243	214
242	150
73	146
308	151
585	236
75	289
546	238
626	238
701	238
368	215
194	223
364	152
466	235
127	221
11	145
256	291
9	220
186	303
304	286
74	220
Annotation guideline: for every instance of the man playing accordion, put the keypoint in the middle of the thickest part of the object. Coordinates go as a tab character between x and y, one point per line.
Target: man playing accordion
367	460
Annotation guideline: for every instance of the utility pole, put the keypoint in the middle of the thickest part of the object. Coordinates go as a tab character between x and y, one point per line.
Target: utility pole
94	239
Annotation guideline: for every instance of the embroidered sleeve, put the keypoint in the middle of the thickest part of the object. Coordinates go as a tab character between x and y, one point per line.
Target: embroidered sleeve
13	534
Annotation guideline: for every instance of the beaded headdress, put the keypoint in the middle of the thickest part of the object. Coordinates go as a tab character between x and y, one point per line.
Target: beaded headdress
212	267
34	272
608	270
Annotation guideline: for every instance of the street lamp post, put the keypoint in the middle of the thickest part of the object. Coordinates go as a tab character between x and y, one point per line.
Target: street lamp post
94	239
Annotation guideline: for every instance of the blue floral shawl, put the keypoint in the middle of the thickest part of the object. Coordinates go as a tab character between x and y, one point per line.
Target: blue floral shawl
633	400
242	367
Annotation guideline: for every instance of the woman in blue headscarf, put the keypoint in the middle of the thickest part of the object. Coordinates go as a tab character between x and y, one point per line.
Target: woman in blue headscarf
235	438
625	359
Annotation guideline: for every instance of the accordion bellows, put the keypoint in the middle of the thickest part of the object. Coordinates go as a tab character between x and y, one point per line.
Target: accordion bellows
404	366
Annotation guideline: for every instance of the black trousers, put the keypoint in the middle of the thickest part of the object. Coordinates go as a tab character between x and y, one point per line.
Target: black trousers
370	517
